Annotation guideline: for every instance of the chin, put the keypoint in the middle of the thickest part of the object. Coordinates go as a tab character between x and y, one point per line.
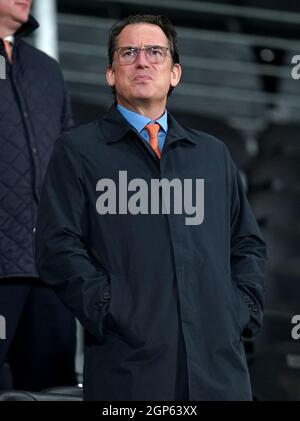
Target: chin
21	13
22	17
144	93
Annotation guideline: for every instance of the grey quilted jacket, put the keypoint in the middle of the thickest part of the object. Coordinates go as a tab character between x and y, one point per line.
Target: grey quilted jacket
34	110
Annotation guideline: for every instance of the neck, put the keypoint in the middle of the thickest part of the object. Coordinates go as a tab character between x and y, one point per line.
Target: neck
8	27
153	111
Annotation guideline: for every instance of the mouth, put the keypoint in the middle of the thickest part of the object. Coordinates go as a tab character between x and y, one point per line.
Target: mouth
142	78
24	4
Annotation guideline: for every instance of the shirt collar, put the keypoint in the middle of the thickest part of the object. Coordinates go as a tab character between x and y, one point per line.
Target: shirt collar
9	38
113	127
139	121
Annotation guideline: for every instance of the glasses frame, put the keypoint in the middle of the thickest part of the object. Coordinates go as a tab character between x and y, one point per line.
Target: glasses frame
138	51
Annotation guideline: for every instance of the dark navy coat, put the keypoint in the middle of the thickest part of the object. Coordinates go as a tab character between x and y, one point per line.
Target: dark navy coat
34	110
136	281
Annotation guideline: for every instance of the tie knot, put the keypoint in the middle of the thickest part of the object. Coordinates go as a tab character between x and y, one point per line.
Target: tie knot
152	129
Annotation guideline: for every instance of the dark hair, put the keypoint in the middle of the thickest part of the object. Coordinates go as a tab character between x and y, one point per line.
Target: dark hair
162	21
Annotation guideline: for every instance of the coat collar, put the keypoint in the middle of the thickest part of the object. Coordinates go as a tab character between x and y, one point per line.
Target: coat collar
27	28
177	132
115	127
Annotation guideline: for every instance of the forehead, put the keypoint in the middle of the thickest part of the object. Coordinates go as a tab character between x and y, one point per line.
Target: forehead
142	34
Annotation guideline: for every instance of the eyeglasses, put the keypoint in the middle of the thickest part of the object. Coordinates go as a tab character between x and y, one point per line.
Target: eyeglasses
155	54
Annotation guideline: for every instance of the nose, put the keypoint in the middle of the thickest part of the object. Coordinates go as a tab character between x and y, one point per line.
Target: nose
141	60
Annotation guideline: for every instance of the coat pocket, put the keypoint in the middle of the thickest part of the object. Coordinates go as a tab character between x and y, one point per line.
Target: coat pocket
121	318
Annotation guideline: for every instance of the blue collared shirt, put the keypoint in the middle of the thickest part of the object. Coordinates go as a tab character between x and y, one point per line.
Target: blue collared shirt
139	121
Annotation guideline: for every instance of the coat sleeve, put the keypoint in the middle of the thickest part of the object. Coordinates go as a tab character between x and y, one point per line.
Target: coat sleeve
248	257
63	260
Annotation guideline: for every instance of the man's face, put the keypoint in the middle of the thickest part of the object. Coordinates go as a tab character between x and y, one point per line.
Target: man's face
141	80
16	11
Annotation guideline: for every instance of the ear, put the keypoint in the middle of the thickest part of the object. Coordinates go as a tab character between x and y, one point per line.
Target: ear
175	75
110	76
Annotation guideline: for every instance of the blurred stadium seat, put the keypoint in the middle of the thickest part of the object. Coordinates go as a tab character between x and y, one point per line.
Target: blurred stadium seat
276	208
280	139
275	174
283	246
275	373
276	329
282	293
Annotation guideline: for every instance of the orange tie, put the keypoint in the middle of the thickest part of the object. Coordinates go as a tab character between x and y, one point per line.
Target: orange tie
153	130
8	49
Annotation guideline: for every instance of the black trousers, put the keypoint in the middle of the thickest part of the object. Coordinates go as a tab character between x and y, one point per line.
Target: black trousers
40	336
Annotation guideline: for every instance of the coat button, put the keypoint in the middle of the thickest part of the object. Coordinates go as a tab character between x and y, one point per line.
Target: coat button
33	230
25	114
34	151
106	297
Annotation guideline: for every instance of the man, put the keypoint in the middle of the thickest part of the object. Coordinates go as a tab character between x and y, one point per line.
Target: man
34	109
165	297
